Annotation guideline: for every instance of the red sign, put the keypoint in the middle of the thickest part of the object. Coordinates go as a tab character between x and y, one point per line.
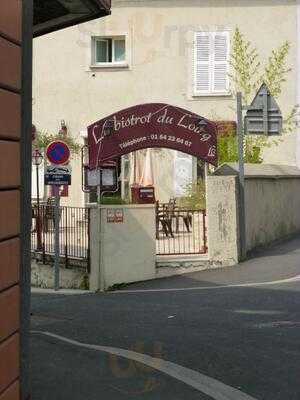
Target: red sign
58	153
152	125
63	191
115	215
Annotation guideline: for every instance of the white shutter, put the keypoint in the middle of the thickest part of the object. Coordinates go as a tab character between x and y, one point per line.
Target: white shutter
220	62
202	61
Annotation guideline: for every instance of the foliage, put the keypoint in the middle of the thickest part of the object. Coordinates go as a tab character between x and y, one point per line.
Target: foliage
195	197
290	122
276	70
43	139
245	66
111	200
228	149
248	73
85	284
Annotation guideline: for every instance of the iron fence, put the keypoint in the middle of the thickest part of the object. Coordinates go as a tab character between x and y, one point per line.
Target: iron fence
73	231
180	231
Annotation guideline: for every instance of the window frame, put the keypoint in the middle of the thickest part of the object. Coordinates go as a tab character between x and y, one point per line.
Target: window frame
211	92
106	41
113	63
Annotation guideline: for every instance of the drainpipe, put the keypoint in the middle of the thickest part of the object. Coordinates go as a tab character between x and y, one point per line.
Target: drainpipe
298	82
101	248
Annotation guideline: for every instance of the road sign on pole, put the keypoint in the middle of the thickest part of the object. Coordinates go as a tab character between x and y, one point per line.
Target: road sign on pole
58	175
57	239
58	153
240	133
263	116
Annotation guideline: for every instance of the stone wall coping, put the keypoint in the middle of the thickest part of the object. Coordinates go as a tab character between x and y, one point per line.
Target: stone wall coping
124	206
261	171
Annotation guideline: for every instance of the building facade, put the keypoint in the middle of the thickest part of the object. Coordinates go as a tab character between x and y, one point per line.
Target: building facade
19	21
169	51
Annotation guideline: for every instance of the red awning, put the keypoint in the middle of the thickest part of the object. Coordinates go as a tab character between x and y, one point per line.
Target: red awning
149	126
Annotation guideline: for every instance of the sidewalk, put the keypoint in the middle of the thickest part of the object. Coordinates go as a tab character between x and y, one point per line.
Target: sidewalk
281	261
65	292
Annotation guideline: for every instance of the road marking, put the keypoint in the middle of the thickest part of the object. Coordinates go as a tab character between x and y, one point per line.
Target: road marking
277	324
258	312
254	284
209	386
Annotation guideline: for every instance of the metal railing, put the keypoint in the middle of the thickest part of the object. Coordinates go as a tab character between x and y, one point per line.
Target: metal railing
180	231
73	231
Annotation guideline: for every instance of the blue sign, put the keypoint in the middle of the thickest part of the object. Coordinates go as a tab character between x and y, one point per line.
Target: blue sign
58	175
58	152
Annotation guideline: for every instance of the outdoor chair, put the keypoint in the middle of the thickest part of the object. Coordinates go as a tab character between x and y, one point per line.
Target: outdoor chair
175	212
165	213
163	219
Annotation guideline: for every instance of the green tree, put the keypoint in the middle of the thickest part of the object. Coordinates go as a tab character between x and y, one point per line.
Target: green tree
194	198
248	73
245	66
43	139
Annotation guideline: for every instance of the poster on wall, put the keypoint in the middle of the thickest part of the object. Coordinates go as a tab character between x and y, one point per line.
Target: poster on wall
108	177
183	174
115	215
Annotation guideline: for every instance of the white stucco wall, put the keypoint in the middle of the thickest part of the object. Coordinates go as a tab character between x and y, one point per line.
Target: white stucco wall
122	252
298	81
272	210
160	36
222	217
271	213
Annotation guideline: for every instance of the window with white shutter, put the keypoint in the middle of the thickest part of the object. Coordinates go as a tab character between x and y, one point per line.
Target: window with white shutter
211	63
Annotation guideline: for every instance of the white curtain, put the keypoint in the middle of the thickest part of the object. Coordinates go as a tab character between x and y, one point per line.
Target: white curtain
183	173
147	178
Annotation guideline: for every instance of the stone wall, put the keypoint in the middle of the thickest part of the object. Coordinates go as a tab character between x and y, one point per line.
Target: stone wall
272	200
222	214
42	276
272	210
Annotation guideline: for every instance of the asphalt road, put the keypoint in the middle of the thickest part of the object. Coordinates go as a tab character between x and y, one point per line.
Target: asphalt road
244	337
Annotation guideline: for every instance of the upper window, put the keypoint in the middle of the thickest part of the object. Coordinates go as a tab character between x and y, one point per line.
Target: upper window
211	63
109	50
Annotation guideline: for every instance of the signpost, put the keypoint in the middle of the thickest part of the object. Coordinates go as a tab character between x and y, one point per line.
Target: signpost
56	175
58	153
240	133
263	117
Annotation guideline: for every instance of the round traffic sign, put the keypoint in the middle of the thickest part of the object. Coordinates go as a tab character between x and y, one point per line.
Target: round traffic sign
58	152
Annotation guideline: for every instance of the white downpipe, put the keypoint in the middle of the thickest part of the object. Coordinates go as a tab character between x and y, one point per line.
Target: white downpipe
298	82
